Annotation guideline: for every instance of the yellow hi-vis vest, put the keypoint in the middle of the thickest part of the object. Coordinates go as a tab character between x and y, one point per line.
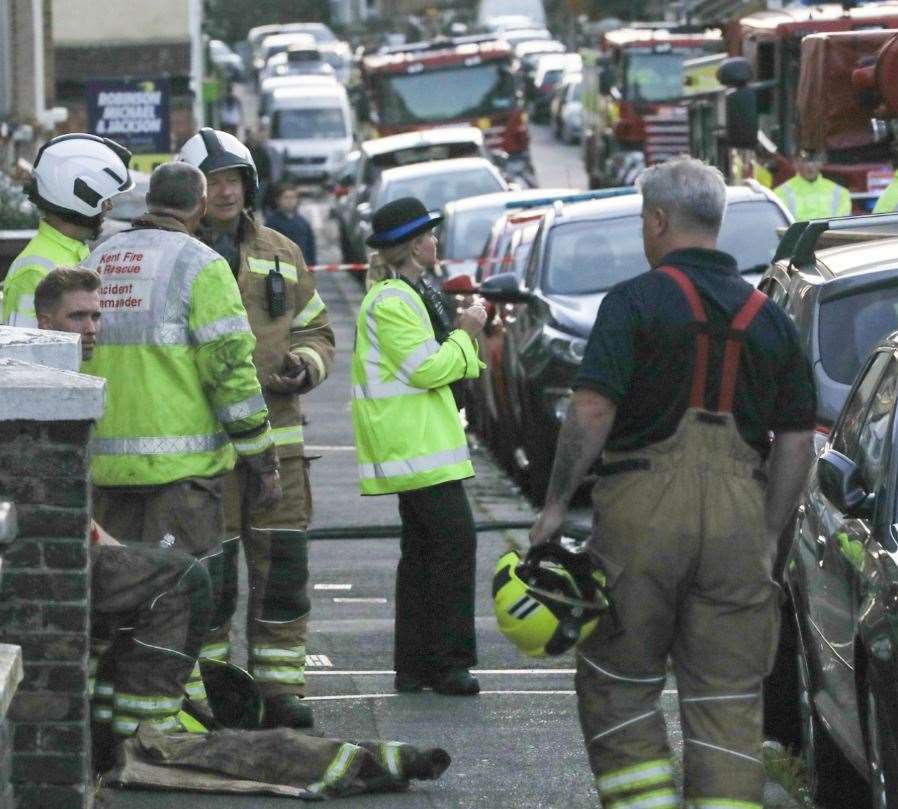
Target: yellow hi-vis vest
407	429
820	199
176	353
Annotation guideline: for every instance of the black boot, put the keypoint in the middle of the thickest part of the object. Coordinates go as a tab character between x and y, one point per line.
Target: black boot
287	711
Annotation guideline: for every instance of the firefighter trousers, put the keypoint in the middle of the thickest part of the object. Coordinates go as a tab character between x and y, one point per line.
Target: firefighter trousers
276	549
679	526
149	613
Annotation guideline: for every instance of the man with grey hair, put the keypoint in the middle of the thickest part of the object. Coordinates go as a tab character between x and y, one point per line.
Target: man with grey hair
687	373
182	397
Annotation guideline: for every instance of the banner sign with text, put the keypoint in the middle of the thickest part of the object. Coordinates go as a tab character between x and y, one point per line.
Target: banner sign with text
132	113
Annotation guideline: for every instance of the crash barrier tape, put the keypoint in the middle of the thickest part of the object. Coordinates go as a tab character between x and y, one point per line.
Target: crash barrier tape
359	267
574	530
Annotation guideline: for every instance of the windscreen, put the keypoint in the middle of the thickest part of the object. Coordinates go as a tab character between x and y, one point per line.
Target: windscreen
654	76
443	95
589	256
850	326
470	230
436	190
309	123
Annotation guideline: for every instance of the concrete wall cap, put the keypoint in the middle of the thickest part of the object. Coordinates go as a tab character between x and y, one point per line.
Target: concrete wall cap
38	393
10	674
56	349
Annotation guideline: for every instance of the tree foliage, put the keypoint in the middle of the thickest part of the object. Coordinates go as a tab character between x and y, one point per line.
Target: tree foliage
231	19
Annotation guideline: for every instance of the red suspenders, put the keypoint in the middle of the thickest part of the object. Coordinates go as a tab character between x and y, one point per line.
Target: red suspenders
732	349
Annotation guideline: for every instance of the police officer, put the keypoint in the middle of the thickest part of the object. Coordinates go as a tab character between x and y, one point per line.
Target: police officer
73	180
687	372
809	195
294	351
410	441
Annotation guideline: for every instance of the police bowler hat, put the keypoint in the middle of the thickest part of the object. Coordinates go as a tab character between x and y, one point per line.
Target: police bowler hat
399	221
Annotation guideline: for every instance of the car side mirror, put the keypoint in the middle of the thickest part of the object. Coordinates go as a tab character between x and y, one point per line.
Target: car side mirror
460	285
504	287
842	484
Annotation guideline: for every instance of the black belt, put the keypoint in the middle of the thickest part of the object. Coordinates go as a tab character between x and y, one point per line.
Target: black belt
644	464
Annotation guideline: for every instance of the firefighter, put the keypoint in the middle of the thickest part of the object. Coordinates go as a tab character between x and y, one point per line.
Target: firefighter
149	607
72	182
809	195
410	441
294	351
686	374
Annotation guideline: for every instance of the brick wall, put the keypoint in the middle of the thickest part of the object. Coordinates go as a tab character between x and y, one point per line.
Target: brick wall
44	608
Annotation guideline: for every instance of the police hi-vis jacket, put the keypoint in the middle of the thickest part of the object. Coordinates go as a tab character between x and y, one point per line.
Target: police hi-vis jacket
47	250
176	353
407	429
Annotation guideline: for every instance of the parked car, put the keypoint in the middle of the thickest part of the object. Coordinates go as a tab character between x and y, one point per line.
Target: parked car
837	660
435	183
565	109
297	60
550	69
467	224
841	299
296	80
312	126
582	250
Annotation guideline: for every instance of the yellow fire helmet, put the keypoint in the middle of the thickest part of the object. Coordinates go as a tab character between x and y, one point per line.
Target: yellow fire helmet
550	601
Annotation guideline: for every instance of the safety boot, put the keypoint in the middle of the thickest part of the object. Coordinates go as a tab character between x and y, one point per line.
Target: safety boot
287	711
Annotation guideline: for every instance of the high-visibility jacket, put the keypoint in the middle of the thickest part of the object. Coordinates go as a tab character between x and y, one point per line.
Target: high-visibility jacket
888	200
303	328
407	429
817	200
176	352
47	250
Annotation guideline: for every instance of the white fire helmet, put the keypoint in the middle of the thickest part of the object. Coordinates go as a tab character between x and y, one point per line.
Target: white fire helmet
73	175
212	150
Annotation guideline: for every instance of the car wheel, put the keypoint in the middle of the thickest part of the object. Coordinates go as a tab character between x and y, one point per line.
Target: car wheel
882	757
827	773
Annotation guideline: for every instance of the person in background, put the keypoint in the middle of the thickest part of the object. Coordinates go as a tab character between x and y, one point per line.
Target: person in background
73	181
410	441
809	195
256	143
230	112
288	221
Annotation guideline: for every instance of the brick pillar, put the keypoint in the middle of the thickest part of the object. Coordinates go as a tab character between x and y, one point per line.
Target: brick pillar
46	418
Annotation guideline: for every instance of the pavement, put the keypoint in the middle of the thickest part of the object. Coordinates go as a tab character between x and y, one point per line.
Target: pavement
518	743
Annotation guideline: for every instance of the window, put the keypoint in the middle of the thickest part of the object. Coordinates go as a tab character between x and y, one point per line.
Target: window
873	441
845	437
309	123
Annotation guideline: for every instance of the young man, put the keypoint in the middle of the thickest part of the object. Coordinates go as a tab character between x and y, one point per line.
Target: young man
687	373
288	221
149	607
73	180
294	350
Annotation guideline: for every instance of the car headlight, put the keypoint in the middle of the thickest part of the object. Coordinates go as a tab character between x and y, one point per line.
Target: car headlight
563	346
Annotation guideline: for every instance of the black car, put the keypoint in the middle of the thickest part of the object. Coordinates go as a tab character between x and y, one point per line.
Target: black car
580	251
838	663
841	299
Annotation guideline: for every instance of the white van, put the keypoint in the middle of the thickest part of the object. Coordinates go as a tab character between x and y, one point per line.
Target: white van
312	126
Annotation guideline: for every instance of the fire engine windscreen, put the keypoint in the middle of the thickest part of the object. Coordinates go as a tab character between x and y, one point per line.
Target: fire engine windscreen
653	76
307	124
438	95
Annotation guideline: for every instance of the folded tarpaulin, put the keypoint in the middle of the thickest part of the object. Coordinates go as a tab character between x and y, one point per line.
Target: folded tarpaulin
281	762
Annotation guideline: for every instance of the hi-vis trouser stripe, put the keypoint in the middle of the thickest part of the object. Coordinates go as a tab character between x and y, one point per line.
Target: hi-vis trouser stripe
280	654
132	709
309	312
263	266
194	686
523	607
721	803
412	466
290	675
287	435
389	753
656	799
338	769
639	777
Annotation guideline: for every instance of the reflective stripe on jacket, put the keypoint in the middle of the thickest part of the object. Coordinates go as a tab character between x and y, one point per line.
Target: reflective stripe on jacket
176	352
888	200
303	328
820	199
408	432
47	250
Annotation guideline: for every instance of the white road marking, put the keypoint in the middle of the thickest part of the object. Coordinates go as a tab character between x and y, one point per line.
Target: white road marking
320	661
360	601
324	586
330	447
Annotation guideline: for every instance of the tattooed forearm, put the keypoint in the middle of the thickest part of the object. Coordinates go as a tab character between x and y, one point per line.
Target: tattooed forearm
580	442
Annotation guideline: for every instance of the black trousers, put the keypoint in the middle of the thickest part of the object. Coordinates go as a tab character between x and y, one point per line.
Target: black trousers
435	582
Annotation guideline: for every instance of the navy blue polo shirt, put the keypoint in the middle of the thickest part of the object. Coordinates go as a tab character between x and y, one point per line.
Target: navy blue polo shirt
641	352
